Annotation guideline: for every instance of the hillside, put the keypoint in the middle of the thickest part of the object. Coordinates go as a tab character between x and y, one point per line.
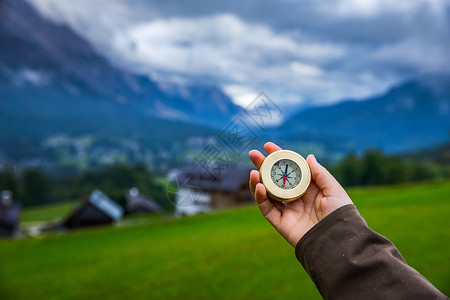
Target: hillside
439	154
228	254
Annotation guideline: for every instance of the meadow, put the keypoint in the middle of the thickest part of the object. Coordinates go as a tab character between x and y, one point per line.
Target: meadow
232	254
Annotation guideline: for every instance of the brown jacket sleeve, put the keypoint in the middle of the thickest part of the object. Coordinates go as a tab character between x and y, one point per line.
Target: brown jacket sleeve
348	260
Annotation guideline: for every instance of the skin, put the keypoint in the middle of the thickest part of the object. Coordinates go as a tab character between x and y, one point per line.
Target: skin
292	220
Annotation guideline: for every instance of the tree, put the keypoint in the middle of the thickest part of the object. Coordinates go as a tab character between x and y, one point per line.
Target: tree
35	188
421	171
395	171
350	170
8	182
372	172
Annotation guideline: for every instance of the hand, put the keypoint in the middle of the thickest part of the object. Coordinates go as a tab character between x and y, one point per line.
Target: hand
293	219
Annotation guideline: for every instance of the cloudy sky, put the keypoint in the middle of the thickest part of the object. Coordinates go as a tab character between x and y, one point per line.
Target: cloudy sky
297	51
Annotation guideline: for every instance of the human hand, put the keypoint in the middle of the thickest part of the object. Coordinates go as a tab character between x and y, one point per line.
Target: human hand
293	219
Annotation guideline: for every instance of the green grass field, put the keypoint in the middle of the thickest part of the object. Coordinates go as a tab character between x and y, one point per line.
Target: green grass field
48	212
229	254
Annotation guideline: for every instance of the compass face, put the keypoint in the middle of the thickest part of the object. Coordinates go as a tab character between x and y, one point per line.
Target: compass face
286	174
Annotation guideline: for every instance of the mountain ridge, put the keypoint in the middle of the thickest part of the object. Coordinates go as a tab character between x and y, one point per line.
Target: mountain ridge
410	115
55	52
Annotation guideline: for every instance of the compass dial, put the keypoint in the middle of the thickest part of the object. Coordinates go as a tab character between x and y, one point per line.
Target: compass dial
286	174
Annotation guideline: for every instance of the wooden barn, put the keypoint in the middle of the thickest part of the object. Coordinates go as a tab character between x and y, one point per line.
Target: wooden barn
200	191
9	215
96	210
139	204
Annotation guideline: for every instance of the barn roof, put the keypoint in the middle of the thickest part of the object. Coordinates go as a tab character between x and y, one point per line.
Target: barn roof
136	201
226	178
106	205
94	210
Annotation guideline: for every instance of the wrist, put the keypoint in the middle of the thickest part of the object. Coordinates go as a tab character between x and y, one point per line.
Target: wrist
321	226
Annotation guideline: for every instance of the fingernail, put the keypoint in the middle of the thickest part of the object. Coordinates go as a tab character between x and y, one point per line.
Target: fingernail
314	157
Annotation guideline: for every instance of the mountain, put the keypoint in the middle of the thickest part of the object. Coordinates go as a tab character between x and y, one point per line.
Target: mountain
59	98
409	116
55	87
38	55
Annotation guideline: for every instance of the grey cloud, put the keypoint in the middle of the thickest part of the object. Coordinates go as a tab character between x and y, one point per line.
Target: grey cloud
316	50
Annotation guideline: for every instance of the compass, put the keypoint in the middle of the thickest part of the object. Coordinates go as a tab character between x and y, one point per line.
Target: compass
286	175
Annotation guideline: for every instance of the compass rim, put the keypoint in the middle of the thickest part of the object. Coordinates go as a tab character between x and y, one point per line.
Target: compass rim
276	192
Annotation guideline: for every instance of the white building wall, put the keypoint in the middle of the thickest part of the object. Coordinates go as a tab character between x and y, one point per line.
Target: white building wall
190	201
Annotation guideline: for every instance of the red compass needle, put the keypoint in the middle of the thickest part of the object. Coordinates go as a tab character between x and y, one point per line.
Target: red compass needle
285	175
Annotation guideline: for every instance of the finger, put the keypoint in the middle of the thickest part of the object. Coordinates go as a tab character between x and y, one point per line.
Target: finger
256	157
268	210
271	147
323	179
254	179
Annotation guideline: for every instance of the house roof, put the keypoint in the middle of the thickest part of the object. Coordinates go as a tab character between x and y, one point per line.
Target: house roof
227	178
106	205
138	201
100	202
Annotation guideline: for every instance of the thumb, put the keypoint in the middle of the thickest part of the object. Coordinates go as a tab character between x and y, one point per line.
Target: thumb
323	178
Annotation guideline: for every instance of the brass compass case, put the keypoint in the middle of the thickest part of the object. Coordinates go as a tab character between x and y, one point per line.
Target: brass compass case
270	177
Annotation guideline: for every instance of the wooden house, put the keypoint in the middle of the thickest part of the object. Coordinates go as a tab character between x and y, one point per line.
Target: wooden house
9	215
200	191
96	210
139	204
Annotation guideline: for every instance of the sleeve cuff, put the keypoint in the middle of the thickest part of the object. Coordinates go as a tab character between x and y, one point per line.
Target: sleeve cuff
319	229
